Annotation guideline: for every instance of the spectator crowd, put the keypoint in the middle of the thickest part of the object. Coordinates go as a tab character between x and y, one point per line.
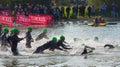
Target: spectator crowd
60	12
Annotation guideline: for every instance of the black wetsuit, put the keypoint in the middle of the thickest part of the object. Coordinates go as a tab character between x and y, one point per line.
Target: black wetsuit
9	40
109	45
84	51
4	39
15	39
40	36
28	39
60	44
5	42
0	31
47	45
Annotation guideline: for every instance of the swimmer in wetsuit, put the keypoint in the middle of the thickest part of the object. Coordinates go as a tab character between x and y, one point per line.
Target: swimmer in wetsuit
15	40
48	45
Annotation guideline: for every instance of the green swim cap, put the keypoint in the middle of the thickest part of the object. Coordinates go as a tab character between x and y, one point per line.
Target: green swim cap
96	38
0	25
54	39
90	51
5	30
44	30
16	30
62	38
30	28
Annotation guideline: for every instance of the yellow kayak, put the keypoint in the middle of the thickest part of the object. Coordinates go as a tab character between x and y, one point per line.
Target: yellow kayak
100	24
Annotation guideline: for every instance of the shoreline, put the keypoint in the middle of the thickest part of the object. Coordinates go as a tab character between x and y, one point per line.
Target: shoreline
81	20
89	19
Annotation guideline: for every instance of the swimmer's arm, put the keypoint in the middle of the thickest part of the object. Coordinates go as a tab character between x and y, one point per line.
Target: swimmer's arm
46	37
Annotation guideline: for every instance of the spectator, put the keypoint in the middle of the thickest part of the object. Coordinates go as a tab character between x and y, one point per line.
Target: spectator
68	11
54	13
113	8
1	7
20	10
37	9
58	13
103	10
75	11
26	12
63	11
45	9
93	10
116	11
82	10
15	10
89	11
41	9
6	11
30	8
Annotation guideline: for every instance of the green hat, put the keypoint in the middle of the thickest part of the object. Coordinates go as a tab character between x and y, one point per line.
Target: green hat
30	28
44	30
5	30
62	38
0	25
96	38
16	30
54	39
90	51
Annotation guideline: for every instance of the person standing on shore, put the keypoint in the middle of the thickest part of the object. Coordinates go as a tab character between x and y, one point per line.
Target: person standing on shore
68	12
29	38
63	12
89	11
42	35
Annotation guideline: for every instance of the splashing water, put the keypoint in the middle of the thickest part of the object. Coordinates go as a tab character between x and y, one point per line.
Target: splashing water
76	36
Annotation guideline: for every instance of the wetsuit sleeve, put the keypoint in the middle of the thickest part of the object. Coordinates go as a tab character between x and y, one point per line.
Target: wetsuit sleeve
46	37
84	51
19	39
39	37
57	47
65	42
64	46
8	39
4	38
1	33
28	36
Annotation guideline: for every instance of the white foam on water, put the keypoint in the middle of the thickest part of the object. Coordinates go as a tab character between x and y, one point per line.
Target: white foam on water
85	35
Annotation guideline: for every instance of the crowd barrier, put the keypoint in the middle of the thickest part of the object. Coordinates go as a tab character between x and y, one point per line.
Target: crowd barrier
40	19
